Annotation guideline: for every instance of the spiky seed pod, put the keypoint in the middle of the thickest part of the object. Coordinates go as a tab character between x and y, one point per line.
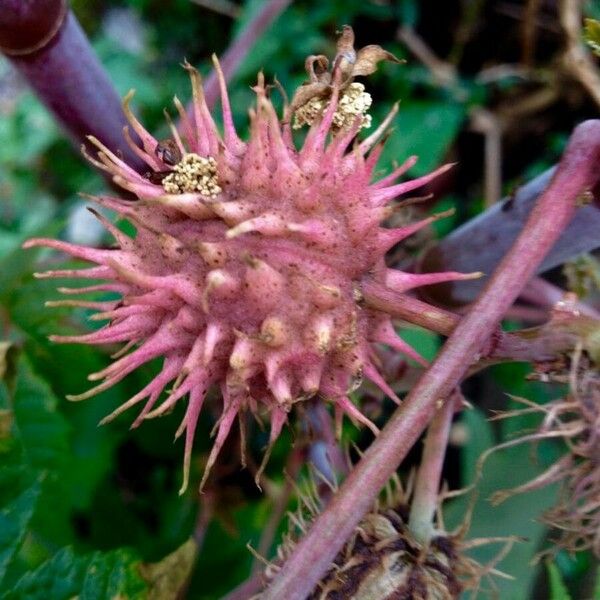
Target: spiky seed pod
246	267
383	561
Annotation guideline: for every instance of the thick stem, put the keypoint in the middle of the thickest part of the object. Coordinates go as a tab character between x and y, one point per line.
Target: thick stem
408	308
536	344
315	552
241	47
480	244
46	44
426	497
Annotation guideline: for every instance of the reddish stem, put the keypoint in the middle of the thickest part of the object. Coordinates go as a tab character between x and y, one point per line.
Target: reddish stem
542	293
527	345
425	498
314	554
46	44
408	308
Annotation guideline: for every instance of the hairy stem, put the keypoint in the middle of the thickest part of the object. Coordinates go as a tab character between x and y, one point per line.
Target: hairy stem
44	41
425	499
315	552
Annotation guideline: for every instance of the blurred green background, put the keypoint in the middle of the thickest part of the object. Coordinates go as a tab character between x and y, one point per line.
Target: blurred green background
82	506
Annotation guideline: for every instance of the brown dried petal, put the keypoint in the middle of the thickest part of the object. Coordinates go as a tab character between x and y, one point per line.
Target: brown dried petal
368	57
346	55
316	66
304	93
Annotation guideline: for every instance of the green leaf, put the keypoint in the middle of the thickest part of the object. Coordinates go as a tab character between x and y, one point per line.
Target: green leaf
42	431
14	519
597	586
516	516
423	341
558	589
97	576
426	129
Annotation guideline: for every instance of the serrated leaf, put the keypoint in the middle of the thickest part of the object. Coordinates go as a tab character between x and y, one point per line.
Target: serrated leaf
113	575
42	431
558	589
97	576
14	519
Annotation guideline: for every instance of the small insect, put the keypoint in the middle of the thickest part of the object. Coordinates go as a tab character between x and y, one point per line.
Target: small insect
168	152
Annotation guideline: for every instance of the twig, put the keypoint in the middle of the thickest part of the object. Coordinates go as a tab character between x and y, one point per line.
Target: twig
529	345
409	309
486	122
425	499
443	73
577	59
543	293
317	549
46	44
529	31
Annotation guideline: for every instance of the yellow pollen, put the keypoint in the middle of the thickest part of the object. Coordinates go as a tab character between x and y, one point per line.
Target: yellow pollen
193	174
354	102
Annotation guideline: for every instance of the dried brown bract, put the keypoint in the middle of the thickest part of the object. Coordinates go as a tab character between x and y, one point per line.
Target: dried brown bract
347	64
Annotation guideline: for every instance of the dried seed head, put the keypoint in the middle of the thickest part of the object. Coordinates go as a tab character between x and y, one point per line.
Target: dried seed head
382	559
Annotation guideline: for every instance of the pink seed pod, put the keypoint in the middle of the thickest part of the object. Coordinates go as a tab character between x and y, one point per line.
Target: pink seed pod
246	267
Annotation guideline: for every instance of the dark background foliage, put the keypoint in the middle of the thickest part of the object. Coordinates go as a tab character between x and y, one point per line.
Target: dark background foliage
82	505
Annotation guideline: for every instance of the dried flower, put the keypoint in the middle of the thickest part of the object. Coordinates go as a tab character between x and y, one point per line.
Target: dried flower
382	559
246	268
354	102
574	420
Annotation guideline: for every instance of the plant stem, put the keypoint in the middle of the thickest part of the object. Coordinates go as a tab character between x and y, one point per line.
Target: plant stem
543	293
535	344
313	555
46	44
408	308
480	244
425	498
